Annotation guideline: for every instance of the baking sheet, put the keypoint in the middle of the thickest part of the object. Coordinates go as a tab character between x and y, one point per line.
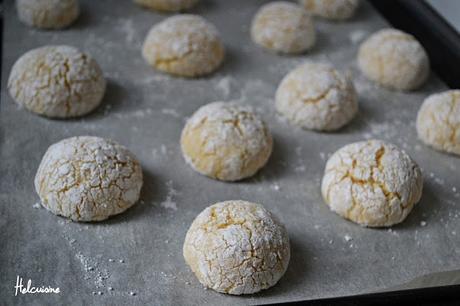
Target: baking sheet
139	253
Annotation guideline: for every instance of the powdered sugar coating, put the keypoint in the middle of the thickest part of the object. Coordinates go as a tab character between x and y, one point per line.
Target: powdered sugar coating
372	183
226	141
331	9
88	178
184	45
237	247
438	121
283	27
394	59
167	5
316	96
47	14
57	81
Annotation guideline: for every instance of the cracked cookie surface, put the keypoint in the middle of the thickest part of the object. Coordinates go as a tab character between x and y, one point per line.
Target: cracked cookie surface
237	247
226	141
372	183
438	121
316	96
88	178
184	45
167	5
57	82
394	59
283	27
48	14
331	9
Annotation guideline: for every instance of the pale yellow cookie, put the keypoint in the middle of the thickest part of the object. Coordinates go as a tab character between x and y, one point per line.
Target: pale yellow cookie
57	81
316	96
184	45
237	247
88	178
48	14
438	121
167	5
372	183
394	59
226	141
283	27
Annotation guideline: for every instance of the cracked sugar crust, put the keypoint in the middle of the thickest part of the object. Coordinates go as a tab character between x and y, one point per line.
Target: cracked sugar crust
88	178
316	96
394	59
184	45
57	81
331	9
372	183
237	247
283	27
167	5
438	121
226	141
48	14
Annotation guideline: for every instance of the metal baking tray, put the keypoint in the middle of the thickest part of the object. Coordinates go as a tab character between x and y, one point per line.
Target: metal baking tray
136	257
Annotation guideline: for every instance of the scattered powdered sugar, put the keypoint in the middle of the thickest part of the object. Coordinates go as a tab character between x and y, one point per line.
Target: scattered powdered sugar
171	112
224	85
128	29
357	36
168	203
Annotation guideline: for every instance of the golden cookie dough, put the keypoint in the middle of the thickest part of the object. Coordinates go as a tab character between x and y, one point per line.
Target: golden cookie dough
57	82
316	96
283	27
184	45
88	178
237	247
331	9
438	121
372	183
394	59
167	5
226	141
48	14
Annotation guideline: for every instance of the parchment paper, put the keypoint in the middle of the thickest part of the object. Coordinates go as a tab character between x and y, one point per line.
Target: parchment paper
136	257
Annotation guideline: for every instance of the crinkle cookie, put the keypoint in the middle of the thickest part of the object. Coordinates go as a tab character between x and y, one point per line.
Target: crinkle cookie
184	45
167	5
438	121
48	14
237	247
372	183
88	178
317	97
331	9
57	82
226	141
394	59
283	27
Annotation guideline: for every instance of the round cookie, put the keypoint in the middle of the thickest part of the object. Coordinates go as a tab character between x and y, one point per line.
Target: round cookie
317	97
372	183
394	59
226	141
57	81
284	27
331	9
48	14
438	121
237	247
88	178
167	5
184	45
